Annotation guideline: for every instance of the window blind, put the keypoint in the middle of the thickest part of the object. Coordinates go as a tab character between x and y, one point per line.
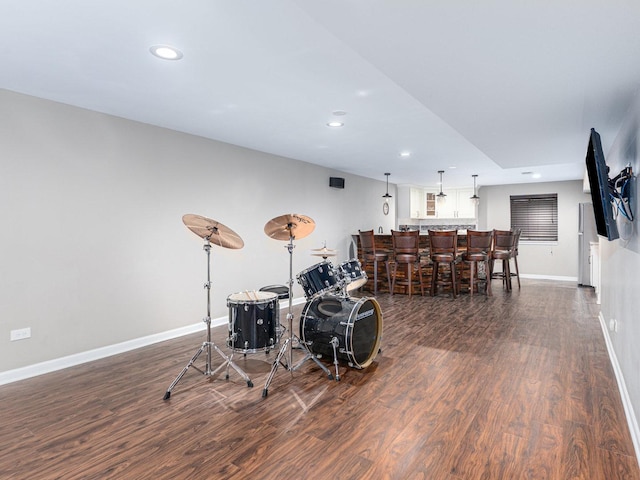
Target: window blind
536	216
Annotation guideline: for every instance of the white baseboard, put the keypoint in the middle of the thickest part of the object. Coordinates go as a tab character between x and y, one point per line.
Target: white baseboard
557	278
624	394
103	352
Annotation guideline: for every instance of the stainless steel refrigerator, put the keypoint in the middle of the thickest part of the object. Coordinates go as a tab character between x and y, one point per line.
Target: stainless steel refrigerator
587	234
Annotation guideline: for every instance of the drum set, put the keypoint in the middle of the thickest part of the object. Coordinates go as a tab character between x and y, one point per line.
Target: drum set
332	323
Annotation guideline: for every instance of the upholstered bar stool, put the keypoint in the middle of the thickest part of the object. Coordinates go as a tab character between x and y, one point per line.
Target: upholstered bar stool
406	253
503	249
443	249
478	251
372	255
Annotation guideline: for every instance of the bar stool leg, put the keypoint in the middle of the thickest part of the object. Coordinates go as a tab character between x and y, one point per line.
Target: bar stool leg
393	277
386	264
454	281
375	278
434	278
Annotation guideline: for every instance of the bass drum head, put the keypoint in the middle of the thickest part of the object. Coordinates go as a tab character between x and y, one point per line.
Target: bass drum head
356	323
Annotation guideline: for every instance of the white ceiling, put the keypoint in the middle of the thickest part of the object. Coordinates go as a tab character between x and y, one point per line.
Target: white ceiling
493	88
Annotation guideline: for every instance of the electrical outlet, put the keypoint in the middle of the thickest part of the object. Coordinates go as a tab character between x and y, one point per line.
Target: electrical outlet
20	334
613	325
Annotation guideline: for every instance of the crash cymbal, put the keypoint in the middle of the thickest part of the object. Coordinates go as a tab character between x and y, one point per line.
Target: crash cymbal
289	226
324	254
215	232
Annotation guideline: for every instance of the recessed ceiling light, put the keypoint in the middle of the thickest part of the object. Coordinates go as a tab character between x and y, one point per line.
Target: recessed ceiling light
339	113
335	124
405	154
166	52
536	175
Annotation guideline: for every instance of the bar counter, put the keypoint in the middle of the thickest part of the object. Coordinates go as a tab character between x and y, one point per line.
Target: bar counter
384	242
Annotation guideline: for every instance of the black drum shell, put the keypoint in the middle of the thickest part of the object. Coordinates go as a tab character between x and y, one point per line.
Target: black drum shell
253	322
318	279
355	322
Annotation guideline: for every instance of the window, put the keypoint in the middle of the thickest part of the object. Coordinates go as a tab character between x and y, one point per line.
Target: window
536	216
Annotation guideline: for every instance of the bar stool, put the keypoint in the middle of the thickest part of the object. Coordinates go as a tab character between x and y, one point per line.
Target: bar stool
478	251
406	253
518	231
503	249
372	255
443	249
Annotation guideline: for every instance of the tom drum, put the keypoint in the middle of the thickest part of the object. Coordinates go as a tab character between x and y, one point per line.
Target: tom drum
253	321
318	279
353	274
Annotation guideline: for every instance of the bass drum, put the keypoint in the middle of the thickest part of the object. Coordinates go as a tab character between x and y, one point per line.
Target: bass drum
355	322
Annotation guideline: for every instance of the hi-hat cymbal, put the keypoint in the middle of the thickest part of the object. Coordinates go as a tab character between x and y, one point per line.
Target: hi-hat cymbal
324	254
289	226
215	232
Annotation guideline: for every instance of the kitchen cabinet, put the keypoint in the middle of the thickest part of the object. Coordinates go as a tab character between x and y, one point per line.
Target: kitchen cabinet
418	207
458	204
423	203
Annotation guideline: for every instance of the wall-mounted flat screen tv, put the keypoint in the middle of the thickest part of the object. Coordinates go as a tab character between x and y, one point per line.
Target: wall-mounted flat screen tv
598	174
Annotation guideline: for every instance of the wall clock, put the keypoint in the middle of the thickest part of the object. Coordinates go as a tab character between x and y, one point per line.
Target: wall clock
385	208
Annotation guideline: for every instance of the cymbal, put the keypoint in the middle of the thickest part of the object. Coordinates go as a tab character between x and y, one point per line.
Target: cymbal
324	252
215	232
289	226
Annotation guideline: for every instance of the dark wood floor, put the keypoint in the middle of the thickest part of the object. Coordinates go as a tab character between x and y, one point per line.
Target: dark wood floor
516	386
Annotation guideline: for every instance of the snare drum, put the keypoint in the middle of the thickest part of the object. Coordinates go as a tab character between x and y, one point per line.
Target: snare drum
355	323
253	321
353	274
317	279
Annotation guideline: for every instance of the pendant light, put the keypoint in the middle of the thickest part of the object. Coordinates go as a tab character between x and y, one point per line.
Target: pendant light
441	198
475	198
386	197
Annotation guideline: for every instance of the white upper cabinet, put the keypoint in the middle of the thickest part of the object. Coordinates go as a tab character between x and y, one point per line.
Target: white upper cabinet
423	204
458	204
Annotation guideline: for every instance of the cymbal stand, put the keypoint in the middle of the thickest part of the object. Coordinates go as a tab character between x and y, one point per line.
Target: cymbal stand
287	347
208	345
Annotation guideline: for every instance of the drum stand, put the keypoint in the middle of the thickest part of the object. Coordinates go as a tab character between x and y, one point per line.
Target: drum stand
287	347
208	345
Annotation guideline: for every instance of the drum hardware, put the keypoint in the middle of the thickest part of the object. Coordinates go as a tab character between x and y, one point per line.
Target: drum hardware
213	233
289	227
335	343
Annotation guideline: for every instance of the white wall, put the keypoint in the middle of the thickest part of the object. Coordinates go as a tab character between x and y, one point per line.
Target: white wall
93	250
557	259
620	266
